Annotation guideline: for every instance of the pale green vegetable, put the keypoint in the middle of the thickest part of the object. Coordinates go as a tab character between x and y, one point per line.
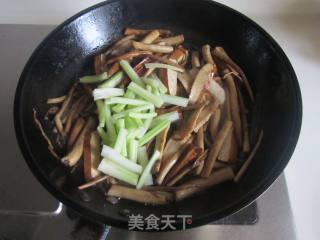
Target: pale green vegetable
117	171
142	115
175	100
134	77
111	131
120	123
113	81
136	109
128	101
121	139
170	116
101	113
113	155
162	88
142	156
94	79
156	100
103	93
133	150
154	132
103	135
147	169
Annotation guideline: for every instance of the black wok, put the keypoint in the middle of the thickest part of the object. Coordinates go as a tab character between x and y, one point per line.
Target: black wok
68	51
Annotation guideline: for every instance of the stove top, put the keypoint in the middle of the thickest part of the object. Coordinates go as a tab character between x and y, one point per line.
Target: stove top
28	211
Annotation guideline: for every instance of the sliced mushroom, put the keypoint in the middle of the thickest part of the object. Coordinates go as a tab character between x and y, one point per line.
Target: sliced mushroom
56	100
214	123
76	129
94	182
185	171
187	127
128	56
205	115
195	61
151	37
187	158
44	135
113	69
200	138
170	157
159	145
201	159
198	185
215	149
142	196
91	155
234	106
244	121
186	80
205	73
130	31
152	47
229	150
222	55
171	41
77	150
247	162
216	90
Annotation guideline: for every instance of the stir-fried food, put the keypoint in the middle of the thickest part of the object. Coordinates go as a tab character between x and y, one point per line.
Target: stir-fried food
158	122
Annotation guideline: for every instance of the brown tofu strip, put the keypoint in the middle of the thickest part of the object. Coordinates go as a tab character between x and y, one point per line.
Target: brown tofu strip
215	148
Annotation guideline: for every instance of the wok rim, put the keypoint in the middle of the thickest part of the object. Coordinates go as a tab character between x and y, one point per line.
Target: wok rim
247	199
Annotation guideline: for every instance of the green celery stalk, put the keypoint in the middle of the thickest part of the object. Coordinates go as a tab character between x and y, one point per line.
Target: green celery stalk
121	138
155	91
123	100
130	123
143	156
136	109
133	150
133	133
156	100
137	121
103	135
94	79
170	116
154	132
101	113
117	171
149	88
118	108
162	88
113	81
111	131
175	100
120	124
152	82
113	155
142	115
147	169
131	72
144	128
123	151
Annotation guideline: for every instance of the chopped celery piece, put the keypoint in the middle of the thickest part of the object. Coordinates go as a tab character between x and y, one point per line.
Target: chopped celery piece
113	81
149	88
152	82
120	124
117	171
142	115
175	100
121	139
129	94
128	101
131	72
136	109
154	132
147	169
133	150
137	121
102	93
156	100
162	65
142	156
123	151
144	128
170	116
113	155
133	133
130	123
103	135
162	88
118	108
95	78
101	113
149	180
155	91
111	131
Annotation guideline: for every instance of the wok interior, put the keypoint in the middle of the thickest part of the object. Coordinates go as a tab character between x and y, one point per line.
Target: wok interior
68	53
